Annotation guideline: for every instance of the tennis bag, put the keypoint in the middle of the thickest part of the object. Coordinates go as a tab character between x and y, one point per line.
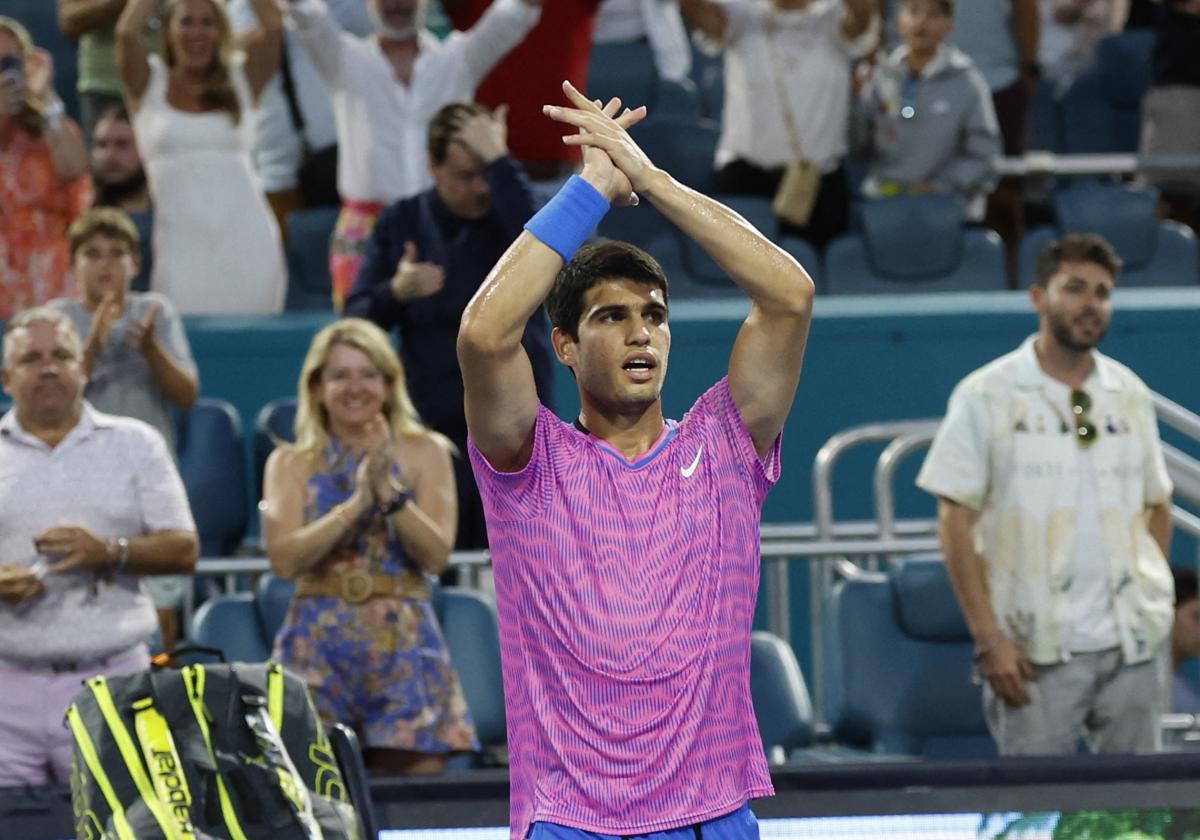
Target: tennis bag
229	751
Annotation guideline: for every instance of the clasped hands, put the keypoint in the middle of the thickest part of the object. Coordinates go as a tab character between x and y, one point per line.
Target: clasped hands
375	486
612	162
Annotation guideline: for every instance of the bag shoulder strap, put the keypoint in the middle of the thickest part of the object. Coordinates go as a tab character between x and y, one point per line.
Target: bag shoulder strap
777	73
293	100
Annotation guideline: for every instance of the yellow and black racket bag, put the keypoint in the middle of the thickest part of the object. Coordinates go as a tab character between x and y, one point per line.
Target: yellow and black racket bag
230	751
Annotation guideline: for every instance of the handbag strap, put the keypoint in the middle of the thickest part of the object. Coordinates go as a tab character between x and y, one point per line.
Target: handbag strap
776	73
293	101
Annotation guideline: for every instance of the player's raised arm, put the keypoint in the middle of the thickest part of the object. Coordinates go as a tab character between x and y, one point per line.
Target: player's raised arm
764	369
500	396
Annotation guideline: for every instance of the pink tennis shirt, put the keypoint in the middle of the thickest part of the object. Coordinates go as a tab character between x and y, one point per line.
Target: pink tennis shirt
626	594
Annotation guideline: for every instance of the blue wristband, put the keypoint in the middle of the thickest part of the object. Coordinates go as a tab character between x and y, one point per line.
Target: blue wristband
569	218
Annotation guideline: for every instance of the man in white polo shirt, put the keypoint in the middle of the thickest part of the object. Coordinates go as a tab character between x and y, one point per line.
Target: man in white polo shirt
1054	512
89	502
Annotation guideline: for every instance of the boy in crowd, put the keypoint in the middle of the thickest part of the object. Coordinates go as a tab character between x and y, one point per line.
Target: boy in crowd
135	356
924	121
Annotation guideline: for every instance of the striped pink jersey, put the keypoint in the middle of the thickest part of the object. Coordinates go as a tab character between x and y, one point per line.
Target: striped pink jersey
626	596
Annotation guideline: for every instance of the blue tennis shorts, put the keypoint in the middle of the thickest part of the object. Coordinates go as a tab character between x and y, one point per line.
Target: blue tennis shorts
736	825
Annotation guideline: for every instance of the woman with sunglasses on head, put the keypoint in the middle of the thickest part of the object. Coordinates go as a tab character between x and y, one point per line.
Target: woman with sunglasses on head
1054	512
359	511
216	244
44	181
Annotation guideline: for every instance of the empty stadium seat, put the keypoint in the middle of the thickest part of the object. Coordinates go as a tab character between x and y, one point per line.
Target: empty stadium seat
1045	119
898	661
1155	252
645	227
213	467
272	597
231	624
469	625
781	700
622	69
914	244
307	253
1102	110
683	145
275	422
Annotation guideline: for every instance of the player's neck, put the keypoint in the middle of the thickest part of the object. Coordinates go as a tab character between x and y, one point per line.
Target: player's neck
630	433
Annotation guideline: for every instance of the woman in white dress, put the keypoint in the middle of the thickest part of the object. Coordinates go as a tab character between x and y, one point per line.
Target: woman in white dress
216	245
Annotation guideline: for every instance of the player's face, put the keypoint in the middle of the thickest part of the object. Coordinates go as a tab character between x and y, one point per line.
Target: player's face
1076	305
104	264
620	359
351	388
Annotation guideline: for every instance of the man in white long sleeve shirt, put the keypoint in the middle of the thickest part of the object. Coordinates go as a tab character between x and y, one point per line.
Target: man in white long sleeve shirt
385	89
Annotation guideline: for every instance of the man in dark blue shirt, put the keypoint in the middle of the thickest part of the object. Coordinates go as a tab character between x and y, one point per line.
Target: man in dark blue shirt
426	257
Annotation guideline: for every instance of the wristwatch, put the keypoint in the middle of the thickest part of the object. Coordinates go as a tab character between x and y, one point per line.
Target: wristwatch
397	504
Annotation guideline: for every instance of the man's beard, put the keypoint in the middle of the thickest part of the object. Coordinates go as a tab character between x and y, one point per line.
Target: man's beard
392	33
114	193
1061	329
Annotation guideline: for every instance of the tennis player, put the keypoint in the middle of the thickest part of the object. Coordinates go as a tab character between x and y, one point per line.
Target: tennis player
626	546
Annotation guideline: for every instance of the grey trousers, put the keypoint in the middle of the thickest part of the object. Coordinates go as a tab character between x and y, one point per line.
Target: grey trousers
1096	697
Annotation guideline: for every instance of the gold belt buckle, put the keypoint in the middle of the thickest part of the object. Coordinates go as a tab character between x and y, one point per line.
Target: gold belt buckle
356	586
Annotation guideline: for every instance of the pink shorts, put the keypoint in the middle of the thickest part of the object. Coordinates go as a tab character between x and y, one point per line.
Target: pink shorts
35	744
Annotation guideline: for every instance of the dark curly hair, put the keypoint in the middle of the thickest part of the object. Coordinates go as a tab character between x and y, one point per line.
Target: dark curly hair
594	264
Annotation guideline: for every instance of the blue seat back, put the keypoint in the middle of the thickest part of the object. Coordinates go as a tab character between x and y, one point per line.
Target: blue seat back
914	244
230	623
898	665
622	69
272	598
1101	111
275	423
213	467
470	627
307	254
1154	252
781	701
144	222
685	146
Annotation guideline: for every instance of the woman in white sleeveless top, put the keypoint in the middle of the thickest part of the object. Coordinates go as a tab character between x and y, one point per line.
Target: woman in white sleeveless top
216	245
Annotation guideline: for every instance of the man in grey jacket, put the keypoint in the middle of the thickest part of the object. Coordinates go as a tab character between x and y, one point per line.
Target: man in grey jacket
924	121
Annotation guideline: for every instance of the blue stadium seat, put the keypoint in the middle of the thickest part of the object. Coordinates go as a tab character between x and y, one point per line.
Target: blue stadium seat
648	229
1045	119
914	244
1102	110
275	422
212	464
898	660
231	624
272	597
781	700
625	70
674	99
307	253
1155	252
684	146
40	17
469	625
708	72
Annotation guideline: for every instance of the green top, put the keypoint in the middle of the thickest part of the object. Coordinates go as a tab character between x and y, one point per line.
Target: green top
98	58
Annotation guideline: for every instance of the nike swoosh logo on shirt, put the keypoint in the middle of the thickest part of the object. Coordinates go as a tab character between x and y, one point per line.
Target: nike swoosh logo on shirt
686	472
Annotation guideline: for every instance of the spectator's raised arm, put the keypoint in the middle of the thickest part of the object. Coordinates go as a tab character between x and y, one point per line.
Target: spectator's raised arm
262	45
133	56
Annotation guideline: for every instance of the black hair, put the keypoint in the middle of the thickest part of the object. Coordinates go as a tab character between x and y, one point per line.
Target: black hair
1186	586
1084	247
593	264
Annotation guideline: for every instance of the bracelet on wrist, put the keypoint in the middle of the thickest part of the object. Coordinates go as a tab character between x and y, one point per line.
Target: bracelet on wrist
116	551
395	505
